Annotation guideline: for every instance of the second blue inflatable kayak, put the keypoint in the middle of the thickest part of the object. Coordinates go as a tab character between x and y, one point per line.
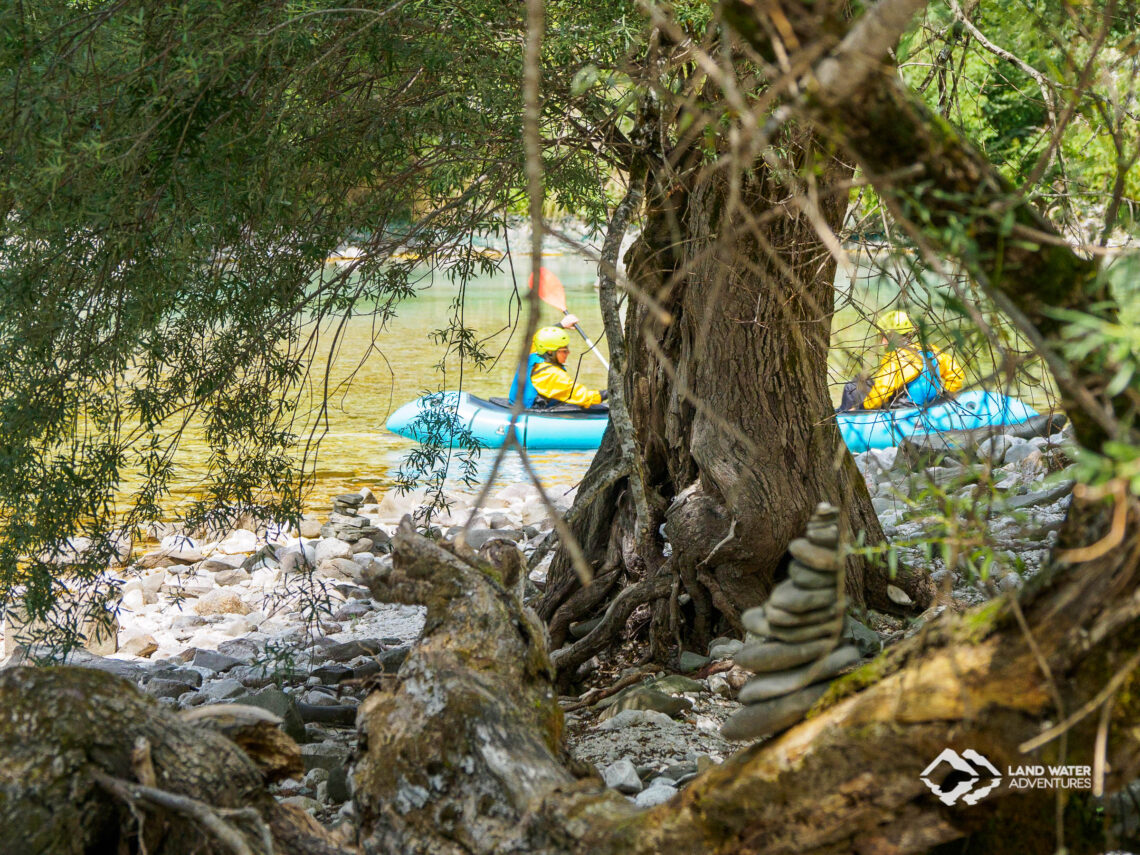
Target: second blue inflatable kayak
866	429
450	414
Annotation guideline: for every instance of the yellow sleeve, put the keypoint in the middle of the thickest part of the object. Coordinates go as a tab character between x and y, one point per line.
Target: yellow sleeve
950	372
897	369
555	383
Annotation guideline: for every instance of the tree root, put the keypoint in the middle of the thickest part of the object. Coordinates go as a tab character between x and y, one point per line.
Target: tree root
206	816
619	610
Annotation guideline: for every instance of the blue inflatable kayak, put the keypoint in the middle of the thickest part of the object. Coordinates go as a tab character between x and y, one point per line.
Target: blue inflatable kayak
449	414
867	429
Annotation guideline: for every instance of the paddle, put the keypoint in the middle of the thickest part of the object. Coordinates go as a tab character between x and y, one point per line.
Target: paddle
551	292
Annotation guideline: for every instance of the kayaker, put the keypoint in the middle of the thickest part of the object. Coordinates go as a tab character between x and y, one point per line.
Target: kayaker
911	374
547	381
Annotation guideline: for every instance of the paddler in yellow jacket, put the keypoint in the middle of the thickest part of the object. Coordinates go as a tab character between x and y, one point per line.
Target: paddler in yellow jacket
910	374
547	382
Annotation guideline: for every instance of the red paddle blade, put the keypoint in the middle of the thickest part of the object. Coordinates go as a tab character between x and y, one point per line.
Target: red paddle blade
550	289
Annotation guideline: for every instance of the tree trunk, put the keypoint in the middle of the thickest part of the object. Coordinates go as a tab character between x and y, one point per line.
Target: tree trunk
730	406
75	746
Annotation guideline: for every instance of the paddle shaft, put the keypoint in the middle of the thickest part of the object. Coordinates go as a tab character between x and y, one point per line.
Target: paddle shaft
589	344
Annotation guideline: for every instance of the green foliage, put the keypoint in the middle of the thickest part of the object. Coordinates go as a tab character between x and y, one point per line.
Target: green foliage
175	175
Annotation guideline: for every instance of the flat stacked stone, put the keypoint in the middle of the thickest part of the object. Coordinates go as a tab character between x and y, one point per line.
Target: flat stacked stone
345	522
799	627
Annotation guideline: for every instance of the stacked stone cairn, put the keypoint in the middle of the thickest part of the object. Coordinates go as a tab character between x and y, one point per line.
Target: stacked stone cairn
345	523
794	638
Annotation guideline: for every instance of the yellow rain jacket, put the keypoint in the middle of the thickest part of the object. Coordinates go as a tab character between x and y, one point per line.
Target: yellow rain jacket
552	381
900	367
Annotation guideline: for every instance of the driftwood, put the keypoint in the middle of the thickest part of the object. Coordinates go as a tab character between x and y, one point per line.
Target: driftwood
89	764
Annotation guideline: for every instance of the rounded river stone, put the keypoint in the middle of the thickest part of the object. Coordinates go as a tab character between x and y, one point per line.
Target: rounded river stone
756	622
796	634
778	618
823	535
805	577
792	598
768	717
782	683
777	655
816	557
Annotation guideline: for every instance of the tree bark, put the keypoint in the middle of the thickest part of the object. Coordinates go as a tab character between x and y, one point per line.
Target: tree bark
730	405
68	734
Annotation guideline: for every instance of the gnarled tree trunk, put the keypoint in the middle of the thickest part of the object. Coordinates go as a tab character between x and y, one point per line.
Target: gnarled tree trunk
730	406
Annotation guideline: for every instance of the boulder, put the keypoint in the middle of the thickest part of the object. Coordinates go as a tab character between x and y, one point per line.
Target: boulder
221	601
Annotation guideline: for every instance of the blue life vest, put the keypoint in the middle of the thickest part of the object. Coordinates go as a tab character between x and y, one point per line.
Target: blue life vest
530	394
926	388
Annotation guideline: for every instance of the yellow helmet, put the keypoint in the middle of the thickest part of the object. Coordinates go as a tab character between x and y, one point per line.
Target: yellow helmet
550	338
898	323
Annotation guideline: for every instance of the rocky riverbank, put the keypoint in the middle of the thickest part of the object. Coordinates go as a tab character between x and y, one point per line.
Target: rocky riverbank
281	620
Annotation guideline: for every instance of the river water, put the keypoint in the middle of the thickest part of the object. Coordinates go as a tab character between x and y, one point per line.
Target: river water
376	370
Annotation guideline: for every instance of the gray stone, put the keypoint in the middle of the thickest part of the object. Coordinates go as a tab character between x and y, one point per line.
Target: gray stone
184	675
476	537
240	648
655	795
725	649
777	655
212	660
898	596
675	684
353	500
863	637
339	790
281	705
332	548
346	650
781	683
642	698
622	776
994	449
825	535
690	661
218	563
220	690
341	569
806	577
161	688
355	609
797	634
778	618
756	622
789	597
768	717
332	674
816	557
231	577
680	770
1018	450
324	755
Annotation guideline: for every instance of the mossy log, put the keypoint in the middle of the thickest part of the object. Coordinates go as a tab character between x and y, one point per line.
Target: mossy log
88	764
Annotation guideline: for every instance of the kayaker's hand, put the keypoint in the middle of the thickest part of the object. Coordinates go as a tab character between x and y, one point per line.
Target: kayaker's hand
605	393
569	322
